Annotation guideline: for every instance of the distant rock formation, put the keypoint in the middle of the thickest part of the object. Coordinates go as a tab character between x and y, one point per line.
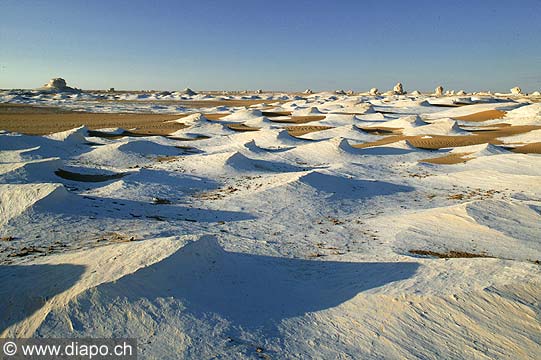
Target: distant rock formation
398	89
189	92
58	85
535	93
259	91
461	93
516	91
416	93
350	92
450	92
308	91
374	91
340	92
439	91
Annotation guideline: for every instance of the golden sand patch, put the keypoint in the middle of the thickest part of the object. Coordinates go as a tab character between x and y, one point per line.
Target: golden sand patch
433	142
381	130
482	116
303	130
242	127
33	120
532	148
448	159
384	141
299	119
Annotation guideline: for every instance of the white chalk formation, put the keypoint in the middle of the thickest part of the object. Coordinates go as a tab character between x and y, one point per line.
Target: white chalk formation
374	91
58	85
439	91
189	92
516	91
398	89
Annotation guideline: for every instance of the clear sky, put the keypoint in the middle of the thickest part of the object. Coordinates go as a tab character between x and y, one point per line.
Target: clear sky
274	45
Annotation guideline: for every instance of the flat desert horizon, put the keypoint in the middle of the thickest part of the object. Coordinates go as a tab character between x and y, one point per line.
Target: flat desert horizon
265	225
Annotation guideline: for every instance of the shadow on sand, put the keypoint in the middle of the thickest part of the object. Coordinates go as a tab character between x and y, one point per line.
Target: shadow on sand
249	291
26	288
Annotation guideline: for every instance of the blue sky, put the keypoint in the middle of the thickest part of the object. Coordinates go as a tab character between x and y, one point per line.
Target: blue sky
275	45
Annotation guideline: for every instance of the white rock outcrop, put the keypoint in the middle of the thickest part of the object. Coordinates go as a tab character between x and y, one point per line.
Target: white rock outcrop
58	85
439	91
516	91
189	92
399	89
374	91
308	91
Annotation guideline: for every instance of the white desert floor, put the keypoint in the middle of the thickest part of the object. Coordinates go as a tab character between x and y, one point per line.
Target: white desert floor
263	245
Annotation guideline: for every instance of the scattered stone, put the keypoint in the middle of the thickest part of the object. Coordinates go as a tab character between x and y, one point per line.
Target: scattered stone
160	201
26	251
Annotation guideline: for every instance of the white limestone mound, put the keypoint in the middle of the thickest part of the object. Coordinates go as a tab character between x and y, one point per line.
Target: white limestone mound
127	153
17	198
516	91
307	112
535	93
374	91
191	119
403	122
439	91
259	122
58	85
485	149
189	92
470	109
72	136
447	127
242	115
416	93
461	93
399	89
308	91
40	170
524	115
